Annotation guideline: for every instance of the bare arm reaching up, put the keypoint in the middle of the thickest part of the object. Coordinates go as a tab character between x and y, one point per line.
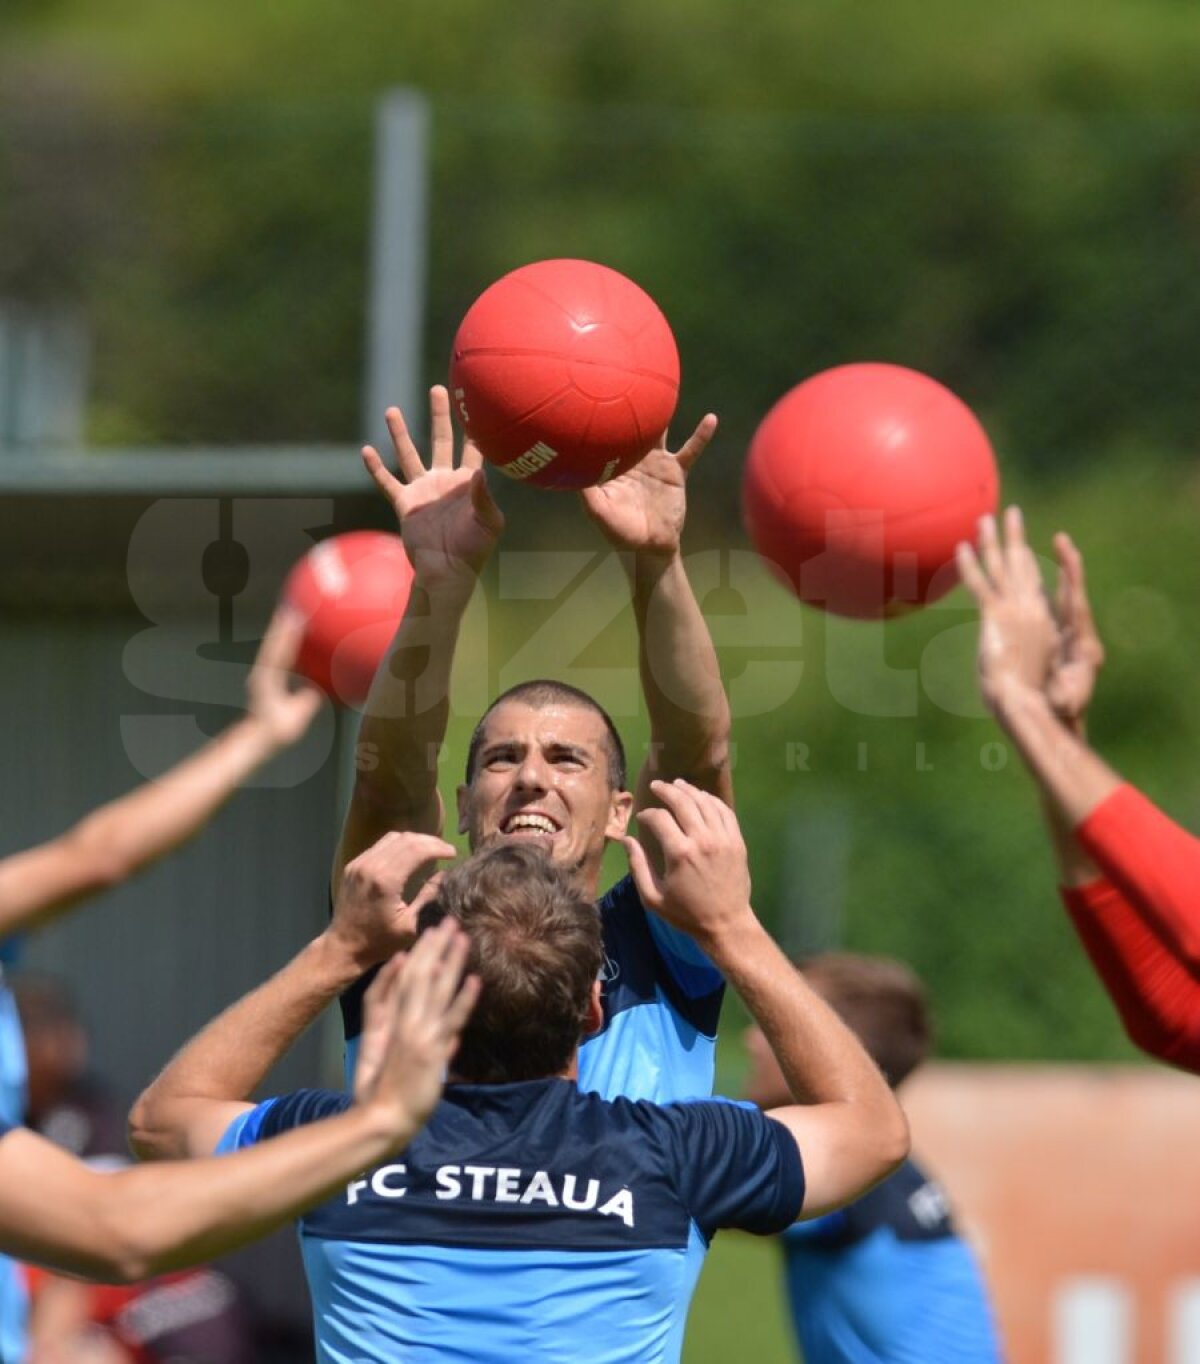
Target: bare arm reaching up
450	525
846	1122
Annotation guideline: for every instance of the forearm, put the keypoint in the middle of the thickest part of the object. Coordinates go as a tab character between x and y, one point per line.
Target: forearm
1072	779
1153	861
404	722
136	1222
820	1057
122	837
230	1058
681	678
1074	866
849	1129
1156	995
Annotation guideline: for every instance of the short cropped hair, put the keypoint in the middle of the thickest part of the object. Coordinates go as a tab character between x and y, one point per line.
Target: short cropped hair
536	947
882	1001
544	691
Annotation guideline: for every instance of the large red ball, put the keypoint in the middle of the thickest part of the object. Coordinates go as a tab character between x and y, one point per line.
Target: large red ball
859	484
564	373
352	590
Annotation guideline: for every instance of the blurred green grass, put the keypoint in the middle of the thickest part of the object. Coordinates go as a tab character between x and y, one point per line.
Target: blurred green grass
738	1312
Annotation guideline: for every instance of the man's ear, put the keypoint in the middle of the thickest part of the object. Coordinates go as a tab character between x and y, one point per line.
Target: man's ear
462	794
620	812
593	1020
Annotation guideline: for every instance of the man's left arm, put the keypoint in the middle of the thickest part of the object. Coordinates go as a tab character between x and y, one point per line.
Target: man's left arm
642	515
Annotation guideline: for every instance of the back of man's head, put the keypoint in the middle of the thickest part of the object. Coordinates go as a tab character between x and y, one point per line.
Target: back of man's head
536	947
882	1001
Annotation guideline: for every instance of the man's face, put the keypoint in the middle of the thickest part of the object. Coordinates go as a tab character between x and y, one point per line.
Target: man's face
542	776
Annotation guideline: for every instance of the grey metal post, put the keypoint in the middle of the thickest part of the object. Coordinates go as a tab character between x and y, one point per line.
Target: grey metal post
396	298
395	326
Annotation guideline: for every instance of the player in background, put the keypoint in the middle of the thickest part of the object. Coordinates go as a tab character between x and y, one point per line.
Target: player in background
532	1219
546	764
126	1224
886	1279
116	841
1128	873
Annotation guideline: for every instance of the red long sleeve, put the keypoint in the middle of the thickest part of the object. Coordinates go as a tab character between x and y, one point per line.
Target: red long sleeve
1153	862
1156	994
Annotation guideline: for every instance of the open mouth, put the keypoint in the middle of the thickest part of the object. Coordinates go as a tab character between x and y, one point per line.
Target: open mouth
529	824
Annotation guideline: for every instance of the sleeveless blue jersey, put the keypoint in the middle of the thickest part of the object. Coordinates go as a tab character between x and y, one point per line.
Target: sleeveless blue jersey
886	1280
662	998
532	1222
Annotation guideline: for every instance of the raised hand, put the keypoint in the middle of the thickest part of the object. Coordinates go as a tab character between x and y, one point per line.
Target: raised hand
1080	653
645	508
1018	635
284	710
447	517
372	919
704	886
414	1013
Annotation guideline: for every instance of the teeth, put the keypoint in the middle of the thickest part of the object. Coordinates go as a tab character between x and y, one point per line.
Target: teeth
534	823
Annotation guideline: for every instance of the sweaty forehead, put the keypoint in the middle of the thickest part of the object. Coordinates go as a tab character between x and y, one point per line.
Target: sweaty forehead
557	723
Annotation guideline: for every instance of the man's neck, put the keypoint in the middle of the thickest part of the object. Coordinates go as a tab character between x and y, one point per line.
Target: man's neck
571	1072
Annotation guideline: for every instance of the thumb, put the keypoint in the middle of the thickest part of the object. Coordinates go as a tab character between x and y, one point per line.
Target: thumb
697	442
649	887
483	504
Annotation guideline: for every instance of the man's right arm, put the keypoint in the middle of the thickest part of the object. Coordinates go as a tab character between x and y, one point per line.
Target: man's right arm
450	525
846	1123
1127	872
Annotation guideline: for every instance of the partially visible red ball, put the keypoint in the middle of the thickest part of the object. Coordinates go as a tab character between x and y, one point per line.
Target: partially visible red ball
859	484
352	590
564	373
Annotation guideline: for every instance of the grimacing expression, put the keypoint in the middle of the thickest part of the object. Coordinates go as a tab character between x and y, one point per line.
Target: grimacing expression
542	775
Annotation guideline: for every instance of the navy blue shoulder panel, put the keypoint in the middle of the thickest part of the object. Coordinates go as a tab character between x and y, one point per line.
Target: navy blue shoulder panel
635	970
299	1108
908	1203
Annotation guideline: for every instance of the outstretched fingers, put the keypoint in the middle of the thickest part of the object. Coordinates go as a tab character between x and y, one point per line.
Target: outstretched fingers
441	429
991	555
974	579
1073	605
281	642
1020	560
383	478
408	461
